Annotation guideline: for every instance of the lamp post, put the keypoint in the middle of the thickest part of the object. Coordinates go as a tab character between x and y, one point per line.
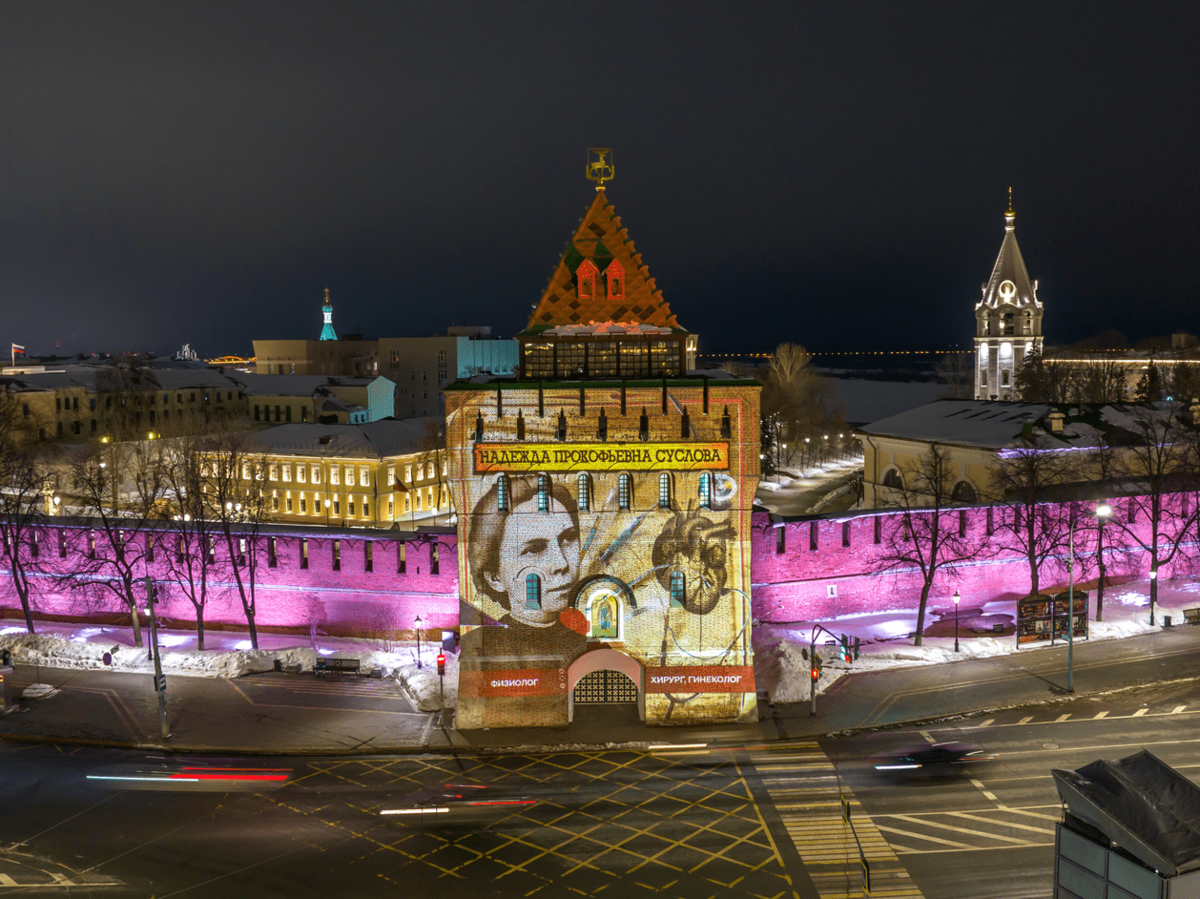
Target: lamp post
1153	584
417	622
160	682
1103	511
327	513
956	599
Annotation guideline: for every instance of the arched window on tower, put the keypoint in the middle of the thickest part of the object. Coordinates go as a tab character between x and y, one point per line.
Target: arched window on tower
585	493
615	273
533	591
664	491
502	493
625	492
893	479
705	490
585	279
1028	323
543	483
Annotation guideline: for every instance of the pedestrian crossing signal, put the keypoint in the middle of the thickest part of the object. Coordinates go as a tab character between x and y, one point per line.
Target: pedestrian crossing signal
441	660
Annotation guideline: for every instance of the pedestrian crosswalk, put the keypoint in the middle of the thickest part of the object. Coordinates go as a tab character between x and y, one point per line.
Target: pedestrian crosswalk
968	830
1020	718
806	792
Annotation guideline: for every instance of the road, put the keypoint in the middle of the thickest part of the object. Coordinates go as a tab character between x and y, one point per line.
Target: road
715	821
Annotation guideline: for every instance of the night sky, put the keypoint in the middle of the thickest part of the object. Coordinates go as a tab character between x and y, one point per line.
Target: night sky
833	174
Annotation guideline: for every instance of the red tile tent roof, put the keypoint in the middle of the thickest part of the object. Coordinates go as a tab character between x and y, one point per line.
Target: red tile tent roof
602	238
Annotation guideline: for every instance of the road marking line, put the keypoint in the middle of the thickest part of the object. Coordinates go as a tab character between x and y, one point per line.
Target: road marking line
1178	709
1025	720
1099	715
927	735
1061	718
6	881
1030	845
1140	712
975	833
1021	811
985	722
987	793
919	836
1004	823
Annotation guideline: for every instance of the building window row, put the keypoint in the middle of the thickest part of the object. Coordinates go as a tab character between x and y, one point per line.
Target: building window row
584	492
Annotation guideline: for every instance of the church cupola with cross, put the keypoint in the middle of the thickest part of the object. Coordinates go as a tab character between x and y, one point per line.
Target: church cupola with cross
1008	320
602	316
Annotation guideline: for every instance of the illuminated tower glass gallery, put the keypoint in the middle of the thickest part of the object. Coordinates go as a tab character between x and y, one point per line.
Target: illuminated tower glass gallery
604	496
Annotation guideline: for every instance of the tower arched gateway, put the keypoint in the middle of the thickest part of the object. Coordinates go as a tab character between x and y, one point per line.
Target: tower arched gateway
604	501
1008	320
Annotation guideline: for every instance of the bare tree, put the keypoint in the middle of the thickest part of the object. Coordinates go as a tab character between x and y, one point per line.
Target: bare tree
235	473
120	488
799	402
927	534
1031	524
23	486
192	559
1159	467
954	373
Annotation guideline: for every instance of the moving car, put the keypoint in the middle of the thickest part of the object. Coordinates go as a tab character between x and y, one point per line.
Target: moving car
453	804
936	759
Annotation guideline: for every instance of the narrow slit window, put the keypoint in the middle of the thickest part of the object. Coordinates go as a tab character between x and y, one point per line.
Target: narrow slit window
533	592
664	491
624	492
585	493
678	585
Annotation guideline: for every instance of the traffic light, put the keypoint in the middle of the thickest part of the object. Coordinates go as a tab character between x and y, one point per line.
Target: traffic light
845	649
857	644
441	663
816	667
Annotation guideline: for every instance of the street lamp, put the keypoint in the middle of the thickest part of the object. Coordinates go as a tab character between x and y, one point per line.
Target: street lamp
1103	511
417	622
326	513
956	599
1153	579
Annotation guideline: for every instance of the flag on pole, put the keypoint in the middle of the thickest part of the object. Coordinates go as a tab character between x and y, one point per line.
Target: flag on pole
17	348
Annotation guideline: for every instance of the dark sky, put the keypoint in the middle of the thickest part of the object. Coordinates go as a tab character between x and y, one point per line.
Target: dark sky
829	173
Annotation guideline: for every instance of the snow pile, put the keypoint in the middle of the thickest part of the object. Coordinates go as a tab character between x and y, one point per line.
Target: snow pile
422	684
53	651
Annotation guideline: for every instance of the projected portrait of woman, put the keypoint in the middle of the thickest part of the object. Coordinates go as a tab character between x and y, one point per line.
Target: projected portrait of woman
523	548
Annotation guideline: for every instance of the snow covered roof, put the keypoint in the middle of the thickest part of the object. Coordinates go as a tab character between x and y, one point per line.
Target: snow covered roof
294	385
993	425
982	423
377	439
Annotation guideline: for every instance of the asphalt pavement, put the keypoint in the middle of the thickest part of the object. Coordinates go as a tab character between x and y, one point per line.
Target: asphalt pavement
299	714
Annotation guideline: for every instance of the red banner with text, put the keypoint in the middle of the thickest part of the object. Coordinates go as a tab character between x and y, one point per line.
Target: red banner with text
516	682
700	679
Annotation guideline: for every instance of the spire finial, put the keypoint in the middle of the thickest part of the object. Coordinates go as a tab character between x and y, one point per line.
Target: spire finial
327	292
1010	209
599	166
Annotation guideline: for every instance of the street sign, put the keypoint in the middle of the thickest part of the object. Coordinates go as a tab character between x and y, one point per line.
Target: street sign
866	872
845	809
160	683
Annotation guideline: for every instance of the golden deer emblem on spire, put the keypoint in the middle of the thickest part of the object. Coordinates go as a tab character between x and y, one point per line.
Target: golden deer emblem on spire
599	166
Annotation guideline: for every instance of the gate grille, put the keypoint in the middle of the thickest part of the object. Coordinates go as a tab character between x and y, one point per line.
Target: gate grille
605	685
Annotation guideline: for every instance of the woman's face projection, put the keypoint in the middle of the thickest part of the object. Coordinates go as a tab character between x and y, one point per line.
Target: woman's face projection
542	543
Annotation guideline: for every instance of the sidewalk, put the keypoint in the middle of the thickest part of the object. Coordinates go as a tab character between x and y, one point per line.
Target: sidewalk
299	714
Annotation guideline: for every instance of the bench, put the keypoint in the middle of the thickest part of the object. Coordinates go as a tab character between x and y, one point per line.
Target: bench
336	666
1192	616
